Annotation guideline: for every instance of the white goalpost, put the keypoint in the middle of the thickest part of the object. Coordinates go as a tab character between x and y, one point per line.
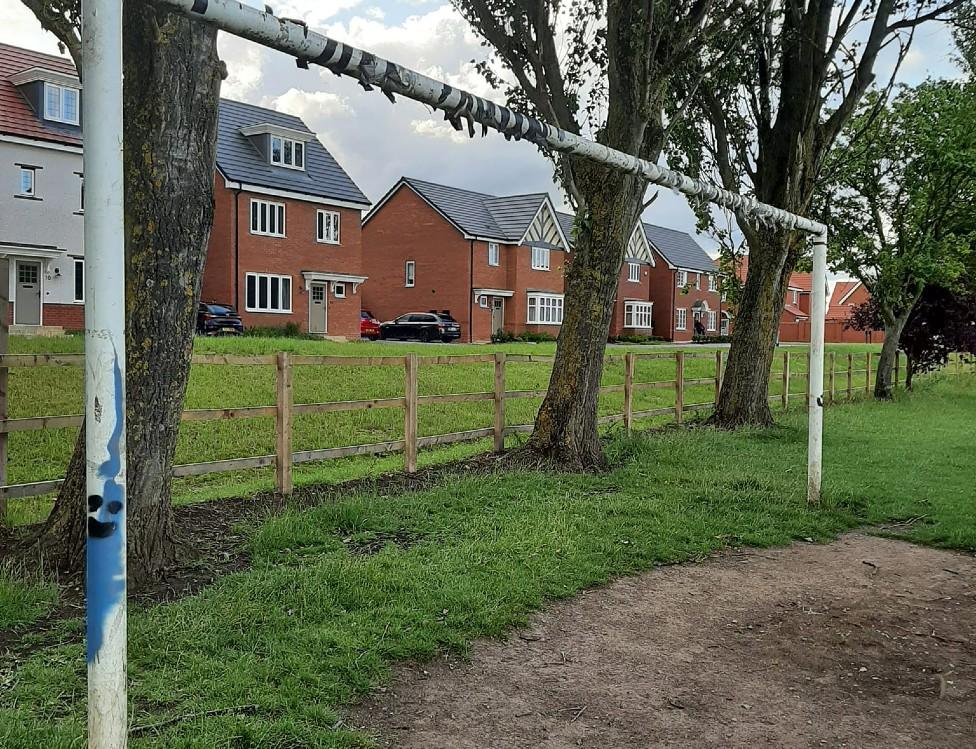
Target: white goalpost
104	295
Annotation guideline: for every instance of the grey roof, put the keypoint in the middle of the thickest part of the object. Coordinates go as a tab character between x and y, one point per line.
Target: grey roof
479	214
679	248
240	161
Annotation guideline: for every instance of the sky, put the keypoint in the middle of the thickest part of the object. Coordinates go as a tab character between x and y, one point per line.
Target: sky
378	142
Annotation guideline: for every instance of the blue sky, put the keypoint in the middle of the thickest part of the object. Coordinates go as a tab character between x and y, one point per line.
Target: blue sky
378	142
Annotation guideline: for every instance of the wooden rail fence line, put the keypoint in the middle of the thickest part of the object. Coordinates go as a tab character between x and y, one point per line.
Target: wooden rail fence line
285	409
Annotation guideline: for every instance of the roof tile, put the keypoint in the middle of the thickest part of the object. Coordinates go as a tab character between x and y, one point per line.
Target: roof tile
17	117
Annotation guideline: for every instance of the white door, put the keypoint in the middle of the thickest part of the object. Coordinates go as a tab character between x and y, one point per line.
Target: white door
27	298
317	309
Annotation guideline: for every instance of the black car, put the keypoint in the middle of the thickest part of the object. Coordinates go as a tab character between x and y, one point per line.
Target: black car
218	319
425	326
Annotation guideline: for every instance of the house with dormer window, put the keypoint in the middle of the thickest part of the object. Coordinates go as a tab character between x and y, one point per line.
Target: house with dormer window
41	190
286	245
494	262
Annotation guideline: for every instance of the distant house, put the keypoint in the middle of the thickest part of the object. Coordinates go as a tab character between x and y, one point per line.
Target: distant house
286	245
845	297
41	189
794	324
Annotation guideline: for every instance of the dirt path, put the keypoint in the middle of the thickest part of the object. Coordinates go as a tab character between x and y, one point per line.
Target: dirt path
863	643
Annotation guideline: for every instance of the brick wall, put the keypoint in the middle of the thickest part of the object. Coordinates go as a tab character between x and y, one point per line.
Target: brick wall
71	317
667	297
628	290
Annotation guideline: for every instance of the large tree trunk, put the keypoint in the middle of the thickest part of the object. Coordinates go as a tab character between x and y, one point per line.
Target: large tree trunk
566	426
172	85
883	386
744	398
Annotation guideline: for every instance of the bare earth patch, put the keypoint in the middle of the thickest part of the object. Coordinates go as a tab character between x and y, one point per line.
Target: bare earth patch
865	642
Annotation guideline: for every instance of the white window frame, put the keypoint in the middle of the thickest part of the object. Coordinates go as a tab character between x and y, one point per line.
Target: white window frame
483	301
339	290
281	161
636	314
712	321
712	282
682	278
327	226
698	281
633	272
493	254
59	115
270	206
267	278
795	296
410	274
681	318
79	262
544	309
540	258
32	192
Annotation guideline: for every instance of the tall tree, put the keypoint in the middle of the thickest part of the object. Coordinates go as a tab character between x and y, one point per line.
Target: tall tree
170	95
964	33
765	122
603	68
902	185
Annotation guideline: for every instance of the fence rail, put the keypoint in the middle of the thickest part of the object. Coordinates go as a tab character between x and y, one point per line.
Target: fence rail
284	409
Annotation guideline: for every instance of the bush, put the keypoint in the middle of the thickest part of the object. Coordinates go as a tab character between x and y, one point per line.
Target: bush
641	339
288	330
711	339
505	336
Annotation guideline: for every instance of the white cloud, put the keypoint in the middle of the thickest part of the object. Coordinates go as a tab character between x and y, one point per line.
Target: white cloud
22	28
310	105
441	130
376	13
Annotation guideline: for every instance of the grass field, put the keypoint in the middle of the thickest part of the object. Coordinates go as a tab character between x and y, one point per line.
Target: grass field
312	625
49	391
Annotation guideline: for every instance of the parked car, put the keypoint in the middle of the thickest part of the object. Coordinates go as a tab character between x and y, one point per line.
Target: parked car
425	326
369	326
218	319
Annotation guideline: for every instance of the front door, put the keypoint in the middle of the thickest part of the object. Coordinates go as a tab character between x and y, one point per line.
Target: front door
316	311
27	300
497	314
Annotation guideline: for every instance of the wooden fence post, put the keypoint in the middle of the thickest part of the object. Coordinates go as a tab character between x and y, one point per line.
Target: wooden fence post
850	377
718	375
867	372
786	380
679	385
628	391
830	377
410	412
283	427
499	402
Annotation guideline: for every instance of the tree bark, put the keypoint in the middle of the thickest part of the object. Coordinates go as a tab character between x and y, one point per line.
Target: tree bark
171	90
565	431
883	386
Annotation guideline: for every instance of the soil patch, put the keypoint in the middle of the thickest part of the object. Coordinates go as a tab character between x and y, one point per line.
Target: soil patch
866	642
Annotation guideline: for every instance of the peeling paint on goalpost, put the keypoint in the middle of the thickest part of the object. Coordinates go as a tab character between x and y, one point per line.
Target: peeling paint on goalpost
104	309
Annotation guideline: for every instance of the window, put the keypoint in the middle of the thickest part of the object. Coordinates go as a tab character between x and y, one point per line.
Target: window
794	296
79	279
483	301
540	258
681	319
410	274
637	314
82	208
28	273
267	293
682	276
698	281
327	227
267	218
493	253
339	290
318	293
712	319
287	152
61	104
633	272
712	282
27	184
546	309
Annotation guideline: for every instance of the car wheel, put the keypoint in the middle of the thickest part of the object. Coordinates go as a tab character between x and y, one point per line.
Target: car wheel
425	336
447	339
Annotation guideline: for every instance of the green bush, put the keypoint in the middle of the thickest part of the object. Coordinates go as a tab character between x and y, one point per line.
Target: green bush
642	339
712	339
288	330
505	336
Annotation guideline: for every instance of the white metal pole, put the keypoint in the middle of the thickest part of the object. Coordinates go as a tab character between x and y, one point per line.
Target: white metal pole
818	310
104	372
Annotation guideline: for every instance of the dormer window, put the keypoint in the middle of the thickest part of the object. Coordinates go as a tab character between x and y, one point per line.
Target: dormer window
287	152
61	104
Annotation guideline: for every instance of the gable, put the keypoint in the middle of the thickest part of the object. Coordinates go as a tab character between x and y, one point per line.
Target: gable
545	229
638	246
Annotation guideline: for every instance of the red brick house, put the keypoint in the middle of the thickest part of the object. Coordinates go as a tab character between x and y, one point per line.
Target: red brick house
794	325
492	262
286	245
845	297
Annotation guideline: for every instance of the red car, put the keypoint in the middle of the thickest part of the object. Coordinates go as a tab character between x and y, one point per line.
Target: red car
369	326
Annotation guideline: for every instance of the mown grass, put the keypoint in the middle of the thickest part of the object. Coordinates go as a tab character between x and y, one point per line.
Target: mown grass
49	391
312	625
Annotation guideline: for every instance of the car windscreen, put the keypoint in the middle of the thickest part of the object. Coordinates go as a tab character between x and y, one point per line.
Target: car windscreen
219	309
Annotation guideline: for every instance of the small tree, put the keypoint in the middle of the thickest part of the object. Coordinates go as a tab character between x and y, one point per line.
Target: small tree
902	184
943	322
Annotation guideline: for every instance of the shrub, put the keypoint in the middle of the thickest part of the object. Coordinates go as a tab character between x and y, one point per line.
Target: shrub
711	339
288	330
641	339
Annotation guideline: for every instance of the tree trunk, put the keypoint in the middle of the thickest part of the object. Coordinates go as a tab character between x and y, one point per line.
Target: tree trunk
889	350
565	431
172	85
744	398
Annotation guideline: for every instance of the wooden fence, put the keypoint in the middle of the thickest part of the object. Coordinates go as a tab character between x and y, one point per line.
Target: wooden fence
285	409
